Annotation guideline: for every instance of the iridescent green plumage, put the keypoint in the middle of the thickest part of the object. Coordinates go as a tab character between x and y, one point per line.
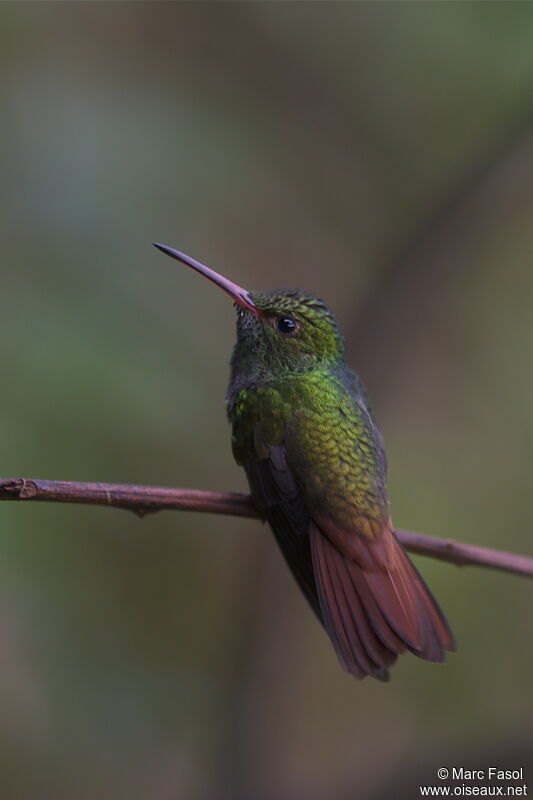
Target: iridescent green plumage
335	448
304	432
298	391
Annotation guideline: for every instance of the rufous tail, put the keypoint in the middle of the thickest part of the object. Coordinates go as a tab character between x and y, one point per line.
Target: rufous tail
376	606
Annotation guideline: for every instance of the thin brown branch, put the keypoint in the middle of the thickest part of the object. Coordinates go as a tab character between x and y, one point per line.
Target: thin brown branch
139	499
145	499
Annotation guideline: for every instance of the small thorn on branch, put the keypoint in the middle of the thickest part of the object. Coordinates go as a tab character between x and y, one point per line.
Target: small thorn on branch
144	500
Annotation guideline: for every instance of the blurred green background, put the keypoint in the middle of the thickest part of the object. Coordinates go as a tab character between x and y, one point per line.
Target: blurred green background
379	155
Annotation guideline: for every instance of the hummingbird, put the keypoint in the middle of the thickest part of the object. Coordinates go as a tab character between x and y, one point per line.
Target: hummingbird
303	429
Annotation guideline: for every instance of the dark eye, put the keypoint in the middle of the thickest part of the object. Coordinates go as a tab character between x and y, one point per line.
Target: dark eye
287	326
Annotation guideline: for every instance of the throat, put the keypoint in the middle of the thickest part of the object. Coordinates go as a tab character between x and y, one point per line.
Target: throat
256	372
288	384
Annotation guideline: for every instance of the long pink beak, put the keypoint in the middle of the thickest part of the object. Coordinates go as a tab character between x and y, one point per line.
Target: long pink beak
240	295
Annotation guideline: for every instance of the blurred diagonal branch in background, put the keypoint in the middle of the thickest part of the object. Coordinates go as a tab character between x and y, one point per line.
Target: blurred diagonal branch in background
416	280
147	499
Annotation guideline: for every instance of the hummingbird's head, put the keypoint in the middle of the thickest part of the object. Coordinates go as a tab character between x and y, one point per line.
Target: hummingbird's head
291	328
278	332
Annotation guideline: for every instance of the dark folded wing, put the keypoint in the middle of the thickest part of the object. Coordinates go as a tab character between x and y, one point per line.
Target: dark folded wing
277	496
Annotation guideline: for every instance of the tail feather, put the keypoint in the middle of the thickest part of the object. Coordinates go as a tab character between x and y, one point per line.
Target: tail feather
439	633
347	639
332	619
380	655
372	615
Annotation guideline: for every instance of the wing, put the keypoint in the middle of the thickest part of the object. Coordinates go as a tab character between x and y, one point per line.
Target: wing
277	496
258	432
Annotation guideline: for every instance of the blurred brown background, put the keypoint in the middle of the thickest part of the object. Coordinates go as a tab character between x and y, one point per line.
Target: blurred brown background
379	155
